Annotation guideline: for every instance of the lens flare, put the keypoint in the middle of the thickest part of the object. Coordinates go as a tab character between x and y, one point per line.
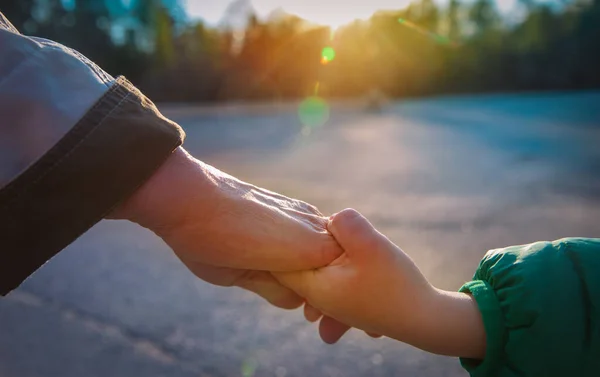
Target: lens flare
313	112
328	54
249	367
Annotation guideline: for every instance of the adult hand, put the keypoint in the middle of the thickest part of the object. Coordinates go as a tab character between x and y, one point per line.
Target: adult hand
228	232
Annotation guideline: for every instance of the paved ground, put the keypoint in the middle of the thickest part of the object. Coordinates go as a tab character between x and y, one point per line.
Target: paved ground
446	179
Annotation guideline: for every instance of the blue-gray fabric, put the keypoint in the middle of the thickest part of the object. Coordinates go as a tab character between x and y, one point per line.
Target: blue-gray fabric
45	88
74	144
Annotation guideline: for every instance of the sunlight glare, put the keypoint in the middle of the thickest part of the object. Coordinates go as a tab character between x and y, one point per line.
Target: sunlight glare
313	112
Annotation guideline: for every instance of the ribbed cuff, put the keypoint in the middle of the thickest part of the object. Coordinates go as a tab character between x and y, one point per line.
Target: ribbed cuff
493	322
100	162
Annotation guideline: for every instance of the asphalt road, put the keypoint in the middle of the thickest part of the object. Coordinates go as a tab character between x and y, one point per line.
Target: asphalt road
446	179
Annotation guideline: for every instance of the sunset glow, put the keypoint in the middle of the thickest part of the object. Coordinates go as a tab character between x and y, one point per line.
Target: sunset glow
325	12
332	13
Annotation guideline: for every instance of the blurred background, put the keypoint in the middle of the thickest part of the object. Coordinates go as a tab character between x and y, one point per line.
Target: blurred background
456	126
232	50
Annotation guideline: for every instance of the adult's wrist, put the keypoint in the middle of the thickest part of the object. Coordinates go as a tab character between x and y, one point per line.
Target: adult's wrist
160	203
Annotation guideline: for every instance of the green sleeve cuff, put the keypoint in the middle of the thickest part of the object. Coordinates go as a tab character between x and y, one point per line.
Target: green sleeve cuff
493	322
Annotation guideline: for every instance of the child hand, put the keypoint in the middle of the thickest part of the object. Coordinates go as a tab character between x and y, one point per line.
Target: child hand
367	287
374	286
330	330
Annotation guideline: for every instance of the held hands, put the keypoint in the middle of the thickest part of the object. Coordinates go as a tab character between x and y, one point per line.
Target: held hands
231	233
228	232
374	286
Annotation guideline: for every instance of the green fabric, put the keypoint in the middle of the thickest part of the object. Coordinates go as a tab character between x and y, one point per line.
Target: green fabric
539	307
493	322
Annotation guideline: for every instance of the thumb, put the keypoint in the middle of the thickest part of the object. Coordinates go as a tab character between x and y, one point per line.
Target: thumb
301	282
355	234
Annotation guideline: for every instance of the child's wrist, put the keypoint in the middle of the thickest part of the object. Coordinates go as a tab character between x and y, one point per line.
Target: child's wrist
411	316
454	326
441	322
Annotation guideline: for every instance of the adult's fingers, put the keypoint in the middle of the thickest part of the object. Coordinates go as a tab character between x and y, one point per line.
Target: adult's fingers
300	282
259	282
265	285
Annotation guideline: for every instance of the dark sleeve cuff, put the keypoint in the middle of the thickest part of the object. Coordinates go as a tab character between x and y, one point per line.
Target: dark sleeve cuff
101	161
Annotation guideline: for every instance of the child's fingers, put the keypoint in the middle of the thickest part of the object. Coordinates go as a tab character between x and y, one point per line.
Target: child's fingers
331	330
354	233
311	313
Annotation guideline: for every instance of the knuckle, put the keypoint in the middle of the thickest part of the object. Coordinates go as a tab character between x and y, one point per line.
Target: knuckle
346	215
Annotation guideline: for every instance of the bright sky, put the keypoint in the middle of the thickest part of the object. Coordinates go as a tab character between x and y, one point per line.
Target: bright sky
329	12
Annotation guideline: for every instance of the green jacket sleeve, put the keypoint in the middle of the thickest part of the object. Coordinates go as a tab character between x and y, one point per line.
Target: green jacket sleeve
539	304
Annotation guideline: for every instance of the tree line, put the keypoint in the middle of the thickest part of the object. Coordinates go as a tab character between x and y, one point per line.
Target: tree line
423	49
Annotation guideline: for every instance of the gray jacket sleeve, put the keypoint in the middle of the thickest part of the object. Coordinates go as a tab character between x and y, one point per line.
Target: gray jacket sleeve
45	88
74	142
